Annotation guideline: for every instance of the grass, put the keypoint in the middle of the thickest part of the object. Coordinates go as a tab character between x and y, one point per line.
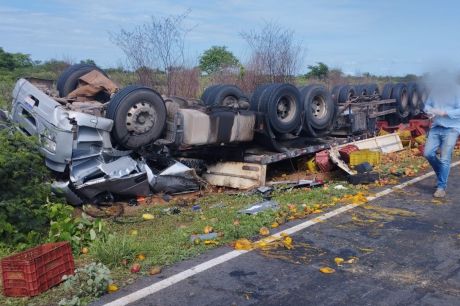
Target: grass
115	249
165	240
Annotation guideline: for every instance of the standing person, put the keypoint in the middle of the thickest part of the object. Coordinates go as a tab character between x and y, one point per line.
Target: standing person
444	105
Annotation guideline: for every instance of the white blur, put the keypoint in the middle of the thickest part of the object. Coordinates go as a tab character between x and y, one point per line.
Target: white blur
442	84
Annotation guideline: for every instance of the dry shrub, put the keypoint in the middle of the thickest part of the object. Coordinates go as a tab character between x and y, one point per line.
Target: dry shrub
185	82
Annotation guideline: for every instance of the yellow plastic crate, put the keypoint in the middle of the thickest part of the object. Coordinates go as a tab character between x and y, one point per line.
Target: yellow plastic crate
420	139
311	165
361	156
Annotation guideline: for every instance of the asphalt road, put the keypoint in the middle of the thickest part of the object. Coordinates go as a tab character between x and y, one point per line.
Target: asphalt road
406	248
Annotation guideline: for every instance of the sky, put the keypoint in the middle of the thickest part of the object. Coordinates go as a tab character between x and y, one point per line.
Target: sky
388	37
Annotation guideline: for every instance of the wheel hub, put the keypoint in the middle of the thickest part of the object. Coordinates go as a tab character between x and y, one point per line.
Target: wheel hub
140	118
318	108
404	100
285	109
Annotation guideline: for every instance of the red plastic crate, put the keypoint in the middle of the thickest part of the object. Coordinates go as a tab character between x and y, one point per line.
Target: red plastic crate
323	162
346	151
36	270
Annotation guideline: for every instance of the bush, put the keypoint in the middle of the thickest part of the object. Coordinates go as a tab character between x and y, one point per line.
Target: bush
88	282
6	90
115	249
78	231
23	177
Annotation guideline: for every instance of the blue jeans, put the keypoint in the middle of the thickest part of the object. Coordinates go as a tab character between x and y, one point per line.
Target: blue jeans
444	139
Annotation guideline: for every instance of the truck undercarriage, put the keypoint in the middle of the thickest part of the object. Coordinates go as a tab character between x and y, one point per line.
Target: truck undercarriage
103	141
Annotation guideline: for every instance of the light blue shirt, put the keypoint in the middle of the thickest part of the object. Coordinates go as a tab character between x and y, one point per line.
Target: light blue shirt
452	109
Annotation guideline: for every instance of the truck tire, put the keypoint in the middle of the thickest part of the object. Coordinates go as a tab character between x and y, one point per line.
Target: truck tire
387	91
346	93
68	79
423	94
225	95
335	93
281	104
318	107
361	90
372	89
401	94
256	98
205	97
138	114
414	99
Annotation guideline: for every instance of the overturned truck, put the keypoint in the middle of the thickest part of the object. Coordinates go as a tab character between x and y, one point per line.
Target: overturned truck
101	140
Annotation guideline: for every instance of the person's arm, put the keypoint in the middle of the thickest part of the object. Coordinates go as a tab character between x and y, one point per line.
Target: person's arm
454	113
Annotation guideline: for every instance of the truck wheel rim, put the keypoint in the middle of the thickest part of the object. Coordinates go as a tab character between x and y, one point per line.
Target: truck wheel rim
404	100
286	108
140	118
318	107
415	99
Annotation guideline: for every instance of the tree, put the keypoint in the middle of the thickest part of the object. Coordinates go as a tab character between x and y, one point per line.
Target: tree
319	71
275	54
155	44
12	61
217	58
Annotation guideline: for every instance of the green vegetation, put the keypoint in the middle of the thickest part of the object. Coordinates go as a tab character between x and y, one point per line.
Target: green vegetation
165	240
12	61
23	215
79	231
319	71
115	250
89	282
217	58
16	65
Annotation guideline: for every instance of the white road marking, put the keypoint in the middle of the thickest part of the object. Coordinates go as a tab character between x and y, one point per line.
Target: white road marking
174	279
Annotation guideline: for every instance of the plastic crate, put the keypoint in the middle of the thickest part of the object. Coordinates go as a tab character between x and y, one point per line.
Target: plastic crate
358	157
345	152
36	270
323	162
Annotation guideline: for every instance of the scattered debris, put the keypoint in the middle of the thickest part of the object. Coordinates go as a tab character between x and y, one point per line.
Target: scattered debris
363	178
147	217
171	211
327	270
298	184
366	250
135	268
155	270
335	157
208	229
196	208
260	206
363	167
386	143
338	261
264	189
203	237
340	187
112	288
243	244
133	202
264	231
